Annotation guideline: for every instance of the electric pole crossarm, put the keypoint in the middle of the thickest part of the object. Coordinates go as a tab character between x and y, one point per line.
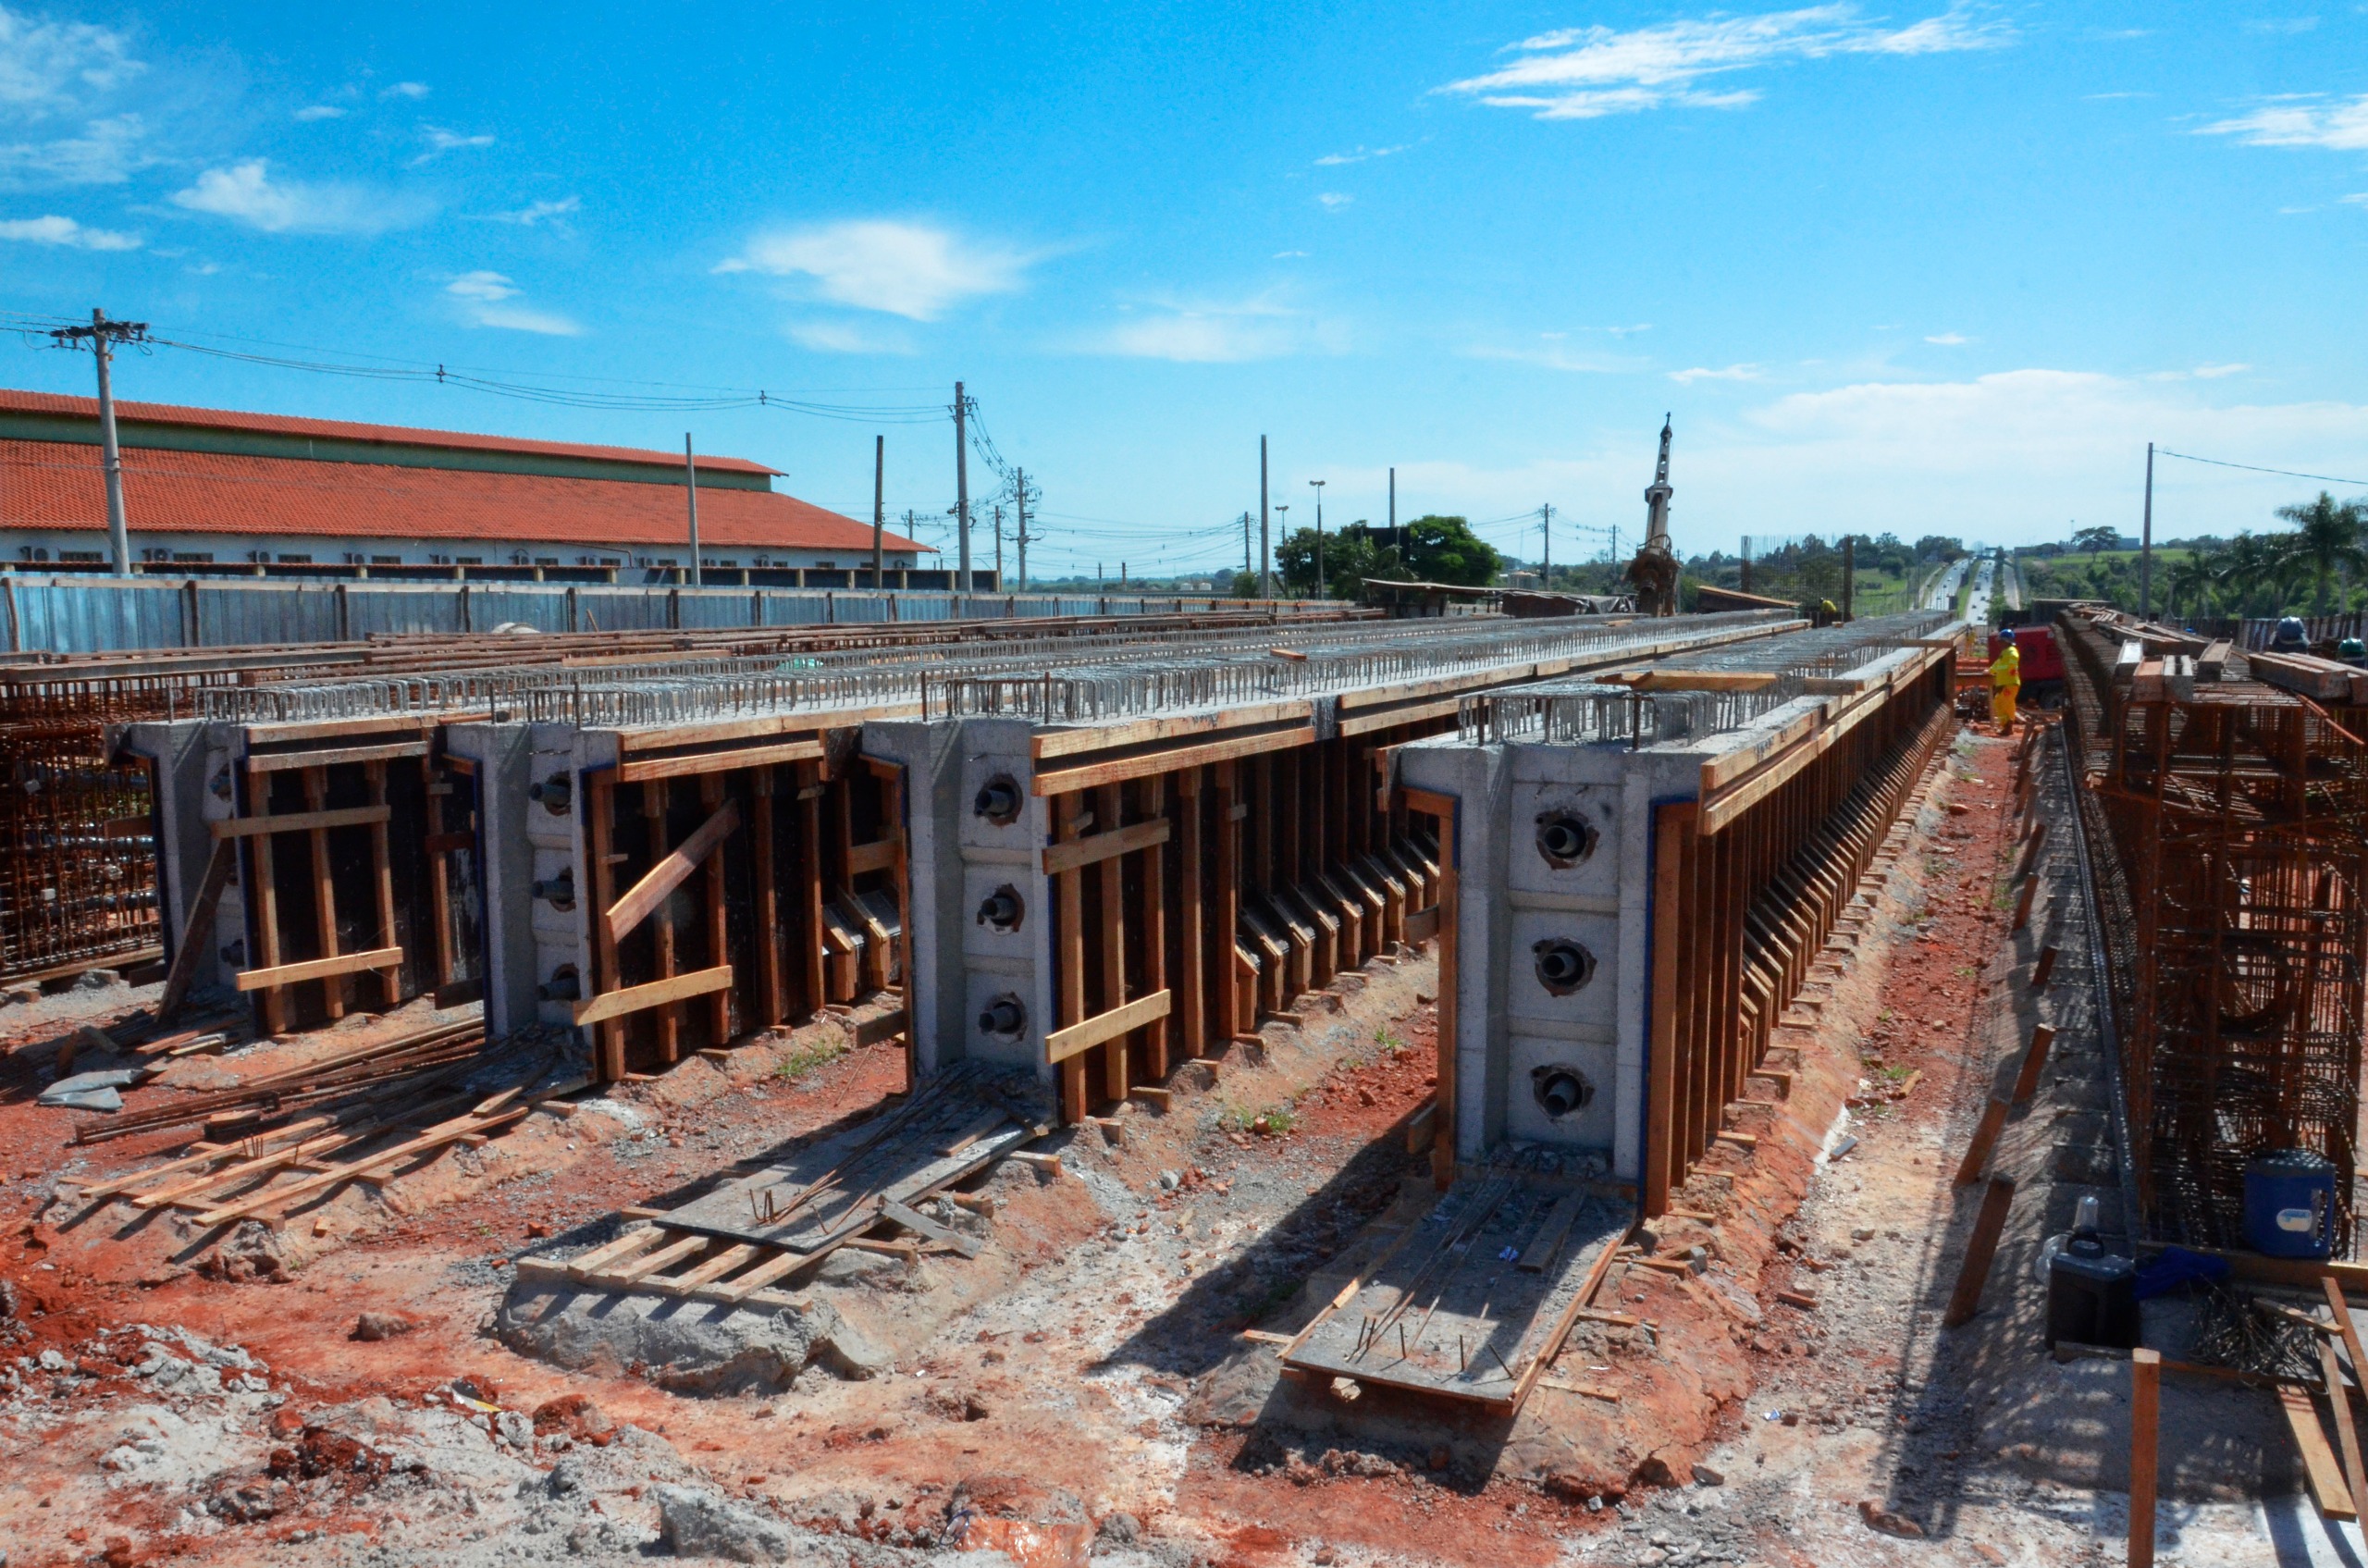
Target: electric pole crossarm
102	335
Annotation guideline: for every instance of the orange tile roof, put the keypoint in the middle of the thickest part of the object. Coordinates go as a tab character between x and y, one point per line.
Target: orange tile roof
16	402
58	485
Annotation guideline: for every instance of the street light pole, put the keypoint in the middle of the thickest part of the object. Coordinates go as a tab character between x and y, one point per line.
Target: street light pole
1282	528
1323	584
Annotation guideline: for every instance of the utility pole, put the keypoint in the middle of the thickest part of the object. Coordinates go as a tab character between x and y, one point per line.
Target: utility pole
998	546
1849	572
1247	565
1323	582
1396	538
1019	503
1282	525
2145	543
101	335
879	507
962	485
691	488
1265	551
1546	546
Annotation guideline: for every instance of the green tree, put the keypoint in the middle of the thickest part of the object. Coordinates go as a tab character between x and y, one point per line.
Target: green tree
1445	550
1939	547
2188	583
1350	556
2327	535
2096	541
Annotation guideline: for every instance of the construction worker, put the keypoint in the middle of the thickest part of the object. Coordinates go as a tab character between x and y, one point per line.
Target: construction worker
2005	682
2352	651
2291	636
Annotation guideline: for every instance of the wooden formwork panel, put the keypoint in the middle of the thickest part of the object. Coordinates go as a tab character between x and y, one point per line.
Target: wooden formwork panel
335	918
757	888
1229	884
1740	908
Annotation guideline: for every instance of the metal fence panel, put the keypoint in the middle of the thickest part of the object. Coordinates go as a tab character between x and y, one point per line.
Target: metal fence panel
70	617
372	612
620	610
244	614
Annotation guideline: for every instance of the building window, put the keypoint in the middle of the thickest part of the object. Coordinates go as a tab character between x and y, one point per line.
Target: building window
196	557
79	555
826	565
295	560
547	561
468	560
385	561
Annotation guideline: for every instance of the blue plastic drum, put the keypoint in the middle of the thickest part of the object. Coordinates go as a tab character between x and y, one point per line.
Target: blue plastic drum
2289	1203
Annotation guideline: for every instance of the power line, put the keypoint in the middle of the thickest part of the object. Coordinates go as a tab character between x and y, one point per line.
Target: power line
2255	468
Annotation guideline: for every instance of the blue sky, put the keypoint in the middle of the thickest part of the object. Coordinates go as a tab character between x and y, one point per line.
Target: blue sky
1918	266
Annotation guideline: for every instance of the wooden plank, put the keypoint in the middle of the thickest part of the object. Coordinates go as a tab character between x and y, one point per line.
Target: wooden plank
1985	1138
382	877
299	821
316	787
921	1225
2145	1421
1191	934
281	761
1980	1248
197	930
319	969
1672	825
1115	1066
769	967
655	994
439	877
1093	776
1105	737
2347	1435
655	886
2341	1309
435	1138
2034	1062
2318	1460
1540	1253
878	856
613	1251
718	943
609	1039
1096	847
1421	925
1063	1043
1154	934
810	890
638	769
1442	809
655	797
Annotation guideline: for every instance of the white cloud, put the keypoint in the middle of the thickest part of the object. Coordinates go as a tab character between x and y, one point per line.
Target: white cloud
2215	372
1585	73
1288	255
909	269
246	194
405	90
847	338
2305	122
50	67
1334	200
311	112
1552	353
1334	160
484	298
2282	24
1699	373
535	214
1218	333
52	229
441	141
1948	340
106	154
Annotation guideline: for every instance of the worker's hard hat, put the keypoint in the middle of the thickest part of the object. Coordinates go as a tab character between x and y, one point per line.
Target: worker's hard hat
2006	635
2351	648
2289	629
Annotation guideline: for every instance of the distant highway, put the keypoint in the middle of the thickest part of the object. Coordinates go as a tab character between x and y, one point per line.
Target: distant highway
1977	604
1944	591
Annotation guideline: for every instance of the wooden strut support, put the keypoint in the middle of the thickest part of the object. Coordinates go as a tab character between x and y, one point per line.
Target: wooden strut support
2145	1404
197	929
1965	1301
1442	809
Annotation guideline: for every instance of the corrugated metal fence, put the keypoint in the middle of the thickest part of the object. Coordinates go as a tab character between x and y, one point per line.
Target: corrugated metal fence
67	614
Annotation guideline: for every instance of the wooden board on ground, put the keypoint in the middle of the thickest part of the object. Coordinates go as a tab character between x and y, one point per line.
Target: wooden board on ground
821	1194
1451	1309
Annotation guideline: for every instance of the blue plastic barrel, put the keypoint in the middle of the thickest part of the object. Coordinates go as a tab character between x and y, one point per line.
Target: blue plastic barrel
2289	1203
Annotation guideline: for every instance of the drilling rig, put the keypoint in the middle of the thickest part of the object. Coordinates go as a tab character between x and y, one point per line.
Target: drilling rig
1653	575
